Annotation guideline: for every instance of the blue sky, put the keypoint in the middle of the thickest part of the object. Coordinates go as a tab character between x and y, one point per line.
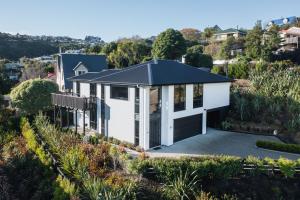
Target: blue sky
112	19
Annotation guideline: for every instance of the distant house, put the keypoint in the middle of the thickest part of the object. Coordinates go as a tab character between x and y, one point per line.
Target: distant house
69	65
222	35
282	21
13	70
155	103
290	39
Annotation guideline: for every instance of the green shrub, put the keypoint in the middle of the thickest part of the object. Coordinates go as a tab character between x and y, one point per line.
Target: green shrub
184	186
64	189
32	142
291	148
205	167
218	70
75	163
287	167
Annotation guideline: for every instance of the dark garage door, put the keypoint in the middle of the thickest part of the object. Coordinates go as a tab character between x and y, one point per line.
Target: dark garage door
187	127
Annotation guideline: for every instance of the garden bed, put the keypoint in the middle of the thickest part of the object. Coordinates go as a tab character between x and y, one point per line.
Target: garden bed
99	168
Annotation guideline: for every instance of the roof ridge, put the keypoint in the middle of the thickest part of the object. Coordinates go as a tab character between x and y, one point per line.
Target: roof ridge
125	69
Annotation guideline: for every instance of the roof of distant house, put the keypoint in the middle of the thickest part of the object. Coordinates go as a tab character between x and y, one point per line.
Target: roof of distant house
93	63
282	21
292	31
13	65
154	73
230	30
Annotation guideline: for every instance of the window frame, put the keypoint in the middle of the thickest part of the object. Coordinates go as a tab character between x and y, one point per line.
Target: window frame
180	106
119	98
197	100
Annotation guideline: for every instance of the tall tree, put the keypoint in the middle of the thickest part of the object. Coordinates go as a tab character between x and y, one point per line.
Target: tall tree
33	95
271	41
129	53
196	58
254	42
169	44
191	34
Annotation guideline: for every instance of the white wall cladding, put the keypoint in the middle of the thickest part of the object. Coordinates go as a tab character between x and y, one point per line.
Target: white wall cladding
216	95
120	115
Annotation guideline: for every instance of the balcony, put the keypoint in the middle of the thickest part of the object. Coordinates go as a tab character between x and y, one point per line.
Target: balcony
291	40
68	100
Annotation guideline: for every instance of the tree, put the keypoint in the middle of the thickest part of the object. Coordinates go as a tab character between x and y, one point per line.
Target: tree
271	42
34	69
129	53
169	44
196	58
208	32
254	42
213	49
33	95
109	47
191	34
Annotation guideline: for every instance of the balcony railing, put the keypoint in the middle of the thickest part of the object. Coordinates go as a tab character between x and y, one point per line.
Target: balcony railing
292	40
70	101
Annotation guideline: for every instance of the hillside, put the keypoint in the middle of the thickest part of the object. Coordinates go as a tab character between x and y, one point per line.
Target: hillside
13	47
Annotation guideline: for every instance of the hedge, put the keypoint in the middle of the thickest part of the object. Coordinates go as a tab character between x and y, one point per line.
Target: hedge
211	167
291	148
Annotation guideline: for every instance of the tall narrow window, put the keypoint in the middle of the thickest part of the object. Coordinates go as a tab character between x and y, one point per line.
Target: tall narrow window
93	89
137	117
102	109
179	97
78	88
198	96
93	106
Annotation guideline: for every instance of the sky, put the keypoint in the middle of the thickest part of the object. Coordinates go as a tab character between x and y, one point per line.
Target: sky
114	19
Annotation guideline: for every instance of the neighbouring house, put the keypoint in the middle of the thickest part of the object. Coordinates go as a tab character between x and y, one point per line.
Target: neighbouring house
290	39
222	35
282	21
155	103
69	65
13	70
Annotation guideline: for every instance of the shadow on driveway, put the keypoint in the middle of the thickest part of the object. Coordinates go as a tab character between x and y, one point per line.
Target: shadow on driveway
217	142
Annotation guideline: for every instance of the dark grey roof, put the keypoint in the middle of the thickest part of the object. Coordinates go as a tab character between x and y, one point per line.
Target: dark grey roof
94	63
87	77
160	72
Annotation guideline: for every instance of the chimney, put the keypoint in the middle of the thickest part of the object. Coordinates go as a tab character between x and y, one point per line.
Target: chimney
155	61
60	50
183	59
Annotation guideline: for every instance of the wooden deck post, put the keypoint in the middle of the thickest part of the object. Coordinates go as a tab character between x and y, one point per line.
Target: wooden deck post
68	118
60	113
76	121
83	122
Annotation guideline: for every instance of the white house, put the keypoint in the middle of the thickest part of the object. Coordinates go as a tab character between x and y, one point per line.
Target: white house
71	64
150	104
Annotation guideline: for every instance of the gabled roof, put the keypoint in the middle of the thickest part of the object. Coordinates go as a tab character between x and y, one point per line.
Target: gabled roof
154	73
94	63
87	77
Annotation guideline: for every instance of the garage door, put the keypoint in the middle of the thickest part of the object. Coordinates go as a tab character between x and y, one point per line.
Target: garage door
187	127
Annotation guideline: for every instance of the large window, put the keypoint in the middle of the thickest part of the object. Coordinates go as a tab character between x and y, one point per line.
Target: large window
119	92
179	97
198	96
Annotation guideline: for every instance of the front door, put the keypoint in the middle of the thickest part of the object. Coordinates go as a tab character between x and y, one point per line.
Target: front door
155	117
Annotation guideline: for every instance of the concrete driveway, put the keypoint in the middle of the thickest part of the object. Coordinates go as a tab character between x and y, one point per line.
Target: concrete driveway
217	142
